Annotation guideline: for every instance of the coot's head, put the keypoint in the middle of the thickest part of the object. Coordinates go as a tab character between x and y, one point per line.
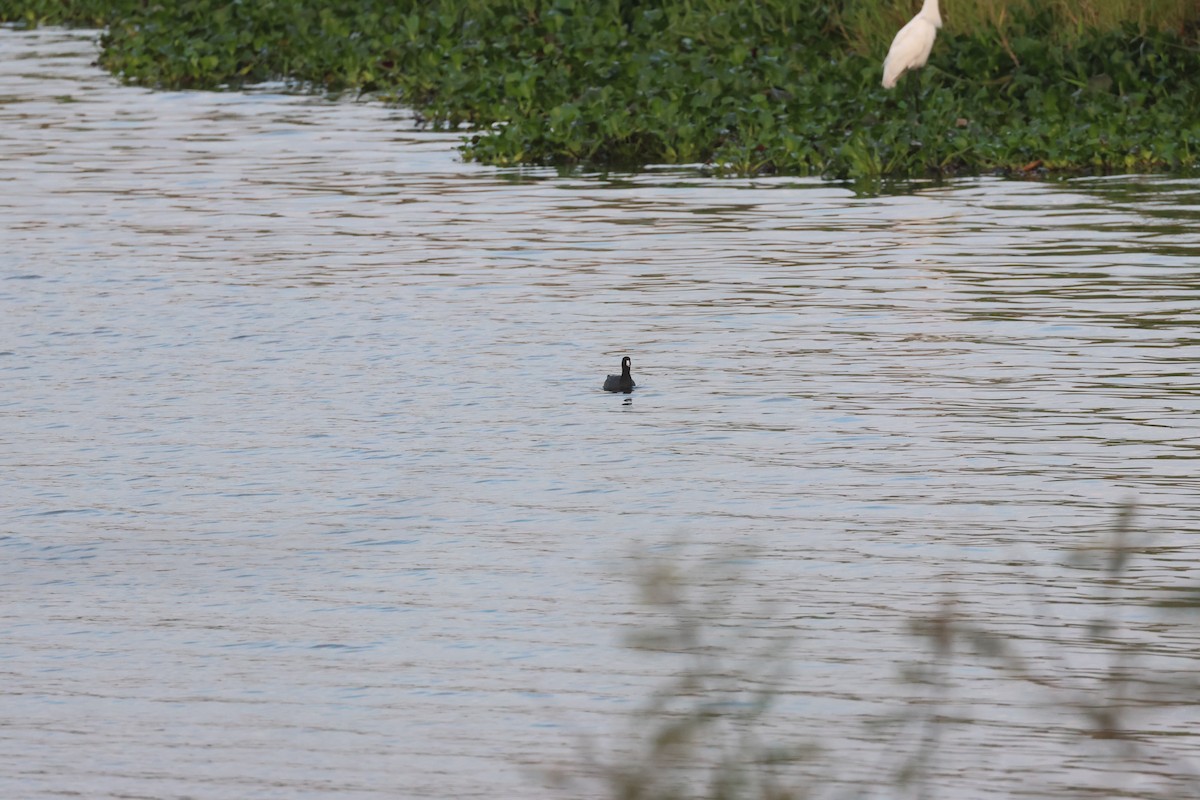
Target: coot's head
625	362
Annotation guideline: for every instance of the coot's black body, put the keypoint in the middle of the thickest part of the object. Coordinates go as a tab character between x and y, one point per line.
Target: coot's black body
620	383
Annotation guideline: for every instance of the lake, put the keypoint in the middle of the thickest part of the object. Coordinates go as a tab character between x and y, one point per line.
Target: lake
309	488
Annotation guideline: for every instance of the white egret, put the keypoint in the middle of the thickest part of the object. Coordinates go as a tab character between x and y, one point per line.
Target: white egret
910	49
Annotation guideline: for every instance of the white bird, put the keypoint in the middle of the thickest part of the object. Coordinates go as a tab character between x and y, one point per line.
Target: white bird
910	49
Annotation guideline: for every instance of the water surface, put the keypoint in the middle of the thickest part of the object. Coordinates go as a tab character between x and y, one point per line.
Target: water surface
308	488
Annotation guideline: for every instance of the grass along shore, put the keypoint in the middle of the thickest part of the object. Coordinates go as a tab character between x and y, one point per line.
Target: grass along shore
777	86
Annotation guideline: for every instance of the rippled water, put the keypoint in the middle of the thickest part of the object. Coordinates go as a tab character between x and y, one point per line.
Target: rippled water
308	487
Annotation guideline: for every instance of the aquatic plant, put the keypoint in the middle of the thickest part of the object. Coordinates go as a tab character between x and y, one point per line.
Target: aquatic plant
743	88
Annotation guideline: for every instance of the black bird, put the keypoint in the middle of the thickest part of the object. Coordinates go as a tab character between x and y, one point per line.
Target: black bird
620	383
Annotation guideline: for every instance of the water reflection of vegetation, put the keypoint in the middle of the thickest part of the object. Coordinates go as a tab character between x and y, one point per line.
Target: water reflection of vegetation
777	86
705	734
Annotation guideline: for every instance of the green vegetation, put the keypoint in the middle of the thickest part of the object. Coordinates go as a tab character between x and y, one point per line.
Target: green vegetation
777	86
1104	688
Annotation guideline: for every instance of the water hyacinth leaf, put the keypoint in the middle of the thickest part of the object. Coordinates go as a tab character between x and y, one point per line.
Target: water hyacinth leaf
721	81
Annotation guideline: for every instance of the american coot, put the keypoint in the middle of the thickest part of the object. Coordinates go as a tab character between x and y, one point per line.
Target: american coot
620	383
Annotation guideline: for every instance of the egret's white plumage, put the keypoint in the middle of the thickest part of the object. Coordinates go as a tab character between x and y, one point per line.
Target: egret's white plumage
910	49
